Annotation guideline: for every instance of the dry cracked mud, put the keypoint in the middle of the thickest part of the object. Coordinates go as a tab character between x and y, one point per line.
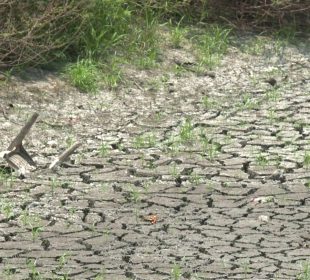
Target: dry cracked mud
180	176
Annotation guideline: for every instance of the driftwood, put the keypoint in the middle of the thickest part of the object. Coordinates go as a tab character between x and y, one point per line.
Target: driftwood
16	155
63	156
19	159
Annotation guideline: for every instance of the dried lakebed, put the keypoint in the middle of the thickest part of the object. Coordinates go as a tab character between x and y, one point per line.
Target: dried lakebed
180	176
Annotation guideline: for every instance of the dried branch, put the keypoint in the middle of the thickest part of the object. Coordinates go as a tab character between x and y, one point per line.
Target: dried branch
62	157
17	142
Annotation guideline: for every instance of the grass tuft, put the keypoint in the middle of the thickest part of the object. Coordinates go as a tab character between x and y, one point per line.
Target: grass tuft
84	75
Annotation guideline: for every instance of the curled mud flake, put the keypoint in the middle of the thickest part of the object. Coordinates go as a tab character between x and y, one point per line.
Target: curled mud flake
262	199
264	218
153	219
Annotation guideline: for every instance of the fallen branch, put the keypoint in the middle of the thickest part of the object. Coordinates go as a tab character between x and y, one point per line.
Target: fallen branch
24	131
62	157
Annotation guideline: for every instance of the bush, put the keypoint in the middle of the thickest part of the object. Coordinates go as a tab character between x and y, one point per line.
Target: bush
36	32
39	31
262	14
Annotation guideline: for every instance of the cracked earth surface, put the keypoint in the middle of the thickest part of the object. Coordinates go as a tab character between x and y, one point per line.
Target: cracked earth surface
222	162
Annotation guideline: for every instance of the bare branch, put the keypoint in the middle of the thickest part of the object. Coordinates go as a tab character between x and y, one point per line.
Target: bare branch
62	157
24	131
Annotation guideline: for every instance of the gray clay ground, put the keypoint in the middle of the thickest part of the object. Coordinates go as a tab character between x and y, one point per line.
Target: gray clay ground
223	162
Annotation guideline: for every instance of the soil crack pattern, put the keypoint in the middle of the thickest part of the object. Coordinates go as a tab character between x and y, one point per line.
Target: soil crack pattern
206	177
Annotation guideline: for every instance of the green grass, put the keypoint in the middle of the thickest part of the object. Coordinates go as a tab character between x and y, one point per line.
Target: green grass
177	34
212	45
186	133
305	274
111	73
306	162
261	160
7	208
208	103
248	102
273	94
84	75
176	272
256	45
147	140
103	150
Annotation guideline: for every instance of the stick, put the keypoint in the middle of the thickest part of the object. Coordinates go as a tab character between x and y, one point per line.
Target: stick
62	157
24	131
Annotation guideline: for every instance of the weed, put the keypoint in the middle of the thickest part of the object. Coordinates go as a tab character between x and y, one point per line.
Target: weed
307	184
148	60
195	178
278	161
256	46
306	162
101	275
84	75
134	195
103	150
245	266
145	41
5	77
7	179
261	160
173	146
186	131
63	260
179	70
176	272
272	115
286	34
248	102
8	272
177	33
273	94
305	274
208	103
213	45
175	173
69	141
34	274
35	232
112	74
144	141
6	207
55	183
209	148
108	24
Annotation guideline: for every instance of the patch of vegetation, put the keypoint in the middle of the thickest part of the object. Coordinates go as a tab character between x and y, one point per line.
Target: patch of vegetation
186	133
306	162
212	45
178	33
248	102
256	45
261	160
103	150
305	274
7	208
84	75
147	140
208	102
176	272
